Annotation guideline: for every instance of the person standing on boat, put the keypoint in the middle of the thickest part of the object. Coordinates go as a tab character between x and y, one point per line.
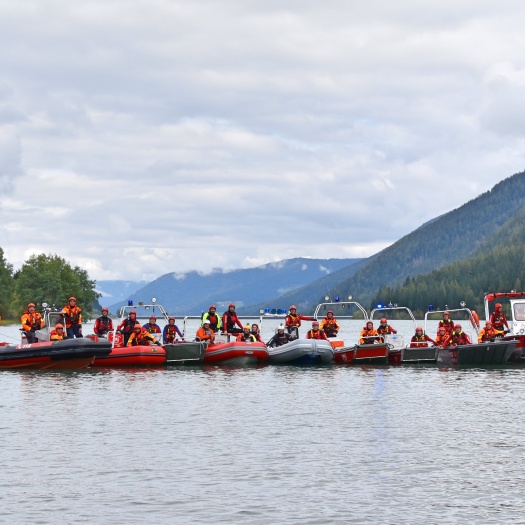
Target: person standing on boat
103	324
369	335
215	320
152	327
293	320
256	332
421	340
31	321
171	330
384	329
58	333
73	317
487	333
459	337
443	337
280	338
446	323
229	320
127	325
499	319
246	336
141	337
329	325
316	333
205	333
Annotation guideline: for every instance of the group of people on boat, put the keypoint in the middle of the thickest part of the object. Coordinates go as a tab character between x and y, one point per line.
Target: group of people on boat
32	321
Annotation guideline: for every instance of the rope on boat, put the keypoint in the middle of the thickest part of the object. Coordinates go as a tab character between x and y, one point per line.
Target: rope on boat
10	336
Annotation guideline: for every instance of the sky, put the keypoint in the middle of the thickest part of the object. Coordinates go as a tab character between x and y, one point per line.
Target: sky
143	137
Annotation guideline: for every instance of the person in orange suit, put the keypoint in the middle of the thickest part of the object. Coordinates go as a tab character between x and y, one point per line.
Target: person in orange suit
31	321
205	333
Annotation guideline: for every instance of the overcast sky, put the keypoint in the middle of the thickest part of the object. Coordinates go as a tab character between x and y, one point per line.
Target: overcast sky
139	138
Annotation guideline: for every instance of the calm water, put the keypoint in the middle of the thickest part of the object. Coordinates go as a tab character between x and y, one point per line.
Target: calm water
263	445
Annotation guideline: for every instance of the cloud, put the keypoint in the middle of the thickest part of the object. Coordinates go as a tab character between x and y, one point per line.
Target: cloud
180	136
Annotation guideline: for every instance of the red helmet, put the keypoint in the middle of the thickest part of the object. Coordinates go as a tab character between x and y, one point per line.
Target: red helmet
488	324
213	306
330	312
446	313
498	305
315	323
457	326
441	328
133	312
293	307
171	318
419	329
59	325
230	305
384	321
72	299
104	309
153	317
137	326
31	304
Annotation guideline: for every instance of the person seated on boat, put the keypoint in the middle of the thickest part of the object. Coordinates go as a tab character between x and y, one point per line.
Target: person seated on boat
141	337
103	324
369	335
205	333
420	339
58	333
229	320
384	328
126	326
443	337
31	321
499	320
170	332
446	322
488	333
151	326
329	325
293	321
280	338
256	331
315	332
459	337
73	317
215	320
246	336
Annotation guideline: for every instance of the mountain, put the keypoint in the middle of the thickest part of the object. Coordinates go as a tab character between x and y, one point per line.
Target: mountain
116	291
471	229
192	292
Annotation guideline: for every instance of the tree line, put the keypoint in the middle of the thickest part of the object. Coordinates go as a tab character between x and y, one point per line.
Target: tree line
44	279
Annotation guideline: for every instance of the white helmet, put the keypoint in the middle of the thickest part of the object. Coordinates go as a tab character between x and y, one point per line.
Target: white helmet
280	327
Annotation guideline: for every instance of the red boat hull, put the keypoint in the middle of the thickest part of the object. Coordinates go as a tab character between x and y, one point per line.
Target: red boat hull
129	356
361	354
236	353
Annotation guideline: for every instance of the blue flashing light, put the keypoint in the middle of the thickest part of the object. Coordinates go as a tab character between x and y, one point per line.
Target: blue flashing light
285	311
130	303
430	307
279	311
380	306
274	311
336	299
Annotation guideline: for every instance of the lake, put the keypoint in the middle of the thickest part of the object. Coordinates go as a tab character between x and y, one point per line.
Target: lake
364	444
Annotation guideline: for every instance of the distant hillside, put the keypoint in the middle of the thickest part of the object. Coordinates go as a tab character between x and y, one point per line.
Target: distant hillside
193	292
452	237
307	297
113	291
497	265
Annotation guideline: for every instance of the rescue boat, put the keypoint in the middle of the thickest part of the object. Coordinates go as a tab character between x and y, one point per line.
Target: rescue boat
69	354
129	356
235	353
481	354
357	354
302	352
